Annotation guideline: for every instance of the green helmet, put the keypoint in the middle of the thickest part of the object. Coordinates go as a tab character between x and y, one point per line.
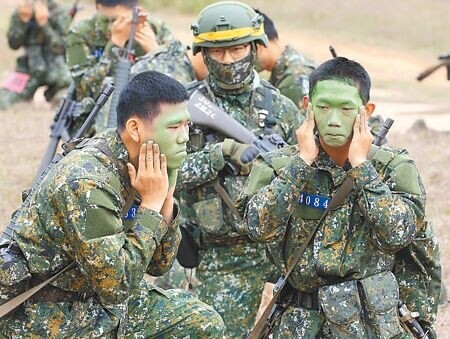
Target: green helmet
227	23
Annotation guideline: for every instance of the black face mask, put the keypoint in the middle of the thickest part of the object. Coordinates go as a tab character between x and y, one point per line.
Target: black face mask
231	76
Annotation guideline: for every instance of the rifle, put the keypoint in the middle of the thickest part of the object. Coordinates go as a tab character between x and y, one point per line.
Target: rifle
205	113
122	71
74	9
64	117
7	234
445	61
275	308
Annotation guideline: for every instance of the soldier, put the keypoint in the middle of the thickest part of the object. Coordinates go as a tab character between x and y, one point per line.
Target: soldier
93	45
233	269
174	60
77	215
39	27
343	284
289	68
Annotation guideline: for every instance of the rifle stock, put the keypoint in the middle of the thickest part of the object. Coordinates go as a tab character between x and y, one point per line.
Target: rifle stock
205	113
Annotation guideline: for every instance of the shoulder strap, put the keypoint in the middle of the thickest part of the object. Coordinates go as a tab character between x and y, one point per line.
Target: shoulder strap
265	106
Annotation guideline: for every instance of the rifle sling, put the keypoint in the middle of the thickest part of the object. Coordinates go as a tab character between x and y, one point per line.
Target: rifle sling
17	301
226	199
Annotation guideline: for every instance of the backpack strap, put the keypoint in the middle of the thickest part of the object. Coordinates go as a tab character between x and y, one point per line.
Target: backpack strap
265	105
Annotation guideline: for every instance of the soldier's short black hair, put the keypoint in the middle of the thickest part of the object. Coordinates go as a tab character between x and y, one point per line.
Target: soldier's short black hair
113	3
342	69
269	26
144	94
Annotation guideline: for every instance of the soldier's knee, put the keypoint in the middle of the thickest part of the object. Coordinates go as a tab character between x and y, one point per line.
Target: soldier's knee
206	322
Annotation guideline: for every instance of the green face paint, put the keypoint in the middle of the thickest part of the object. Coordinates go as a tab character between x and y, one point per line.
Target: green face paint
170	130
335	105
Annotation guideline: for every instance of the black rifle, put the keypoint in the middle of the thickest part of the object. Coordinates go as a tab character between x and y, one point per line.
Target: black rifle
276	307
205	113
62	123
445	61
101	100
122	71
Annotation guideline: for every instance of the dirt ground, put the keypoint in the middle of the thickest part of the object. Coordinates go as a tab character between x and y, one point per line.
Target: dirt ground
392	55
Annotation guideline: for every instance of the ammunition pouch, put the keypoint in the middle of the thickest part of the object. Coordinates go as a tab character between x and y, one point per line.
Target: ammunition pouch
364	308
14	273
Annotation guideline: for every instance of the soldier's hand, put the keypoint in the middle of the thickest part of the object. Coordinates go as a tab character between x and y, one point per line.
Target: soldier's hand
25	10
241	154
150	181
305	138
120	30
41	12
146	37
361	140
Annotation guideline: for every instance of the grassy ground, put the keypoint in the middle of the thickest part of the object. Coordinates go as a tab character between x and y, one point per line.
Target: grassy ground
393	40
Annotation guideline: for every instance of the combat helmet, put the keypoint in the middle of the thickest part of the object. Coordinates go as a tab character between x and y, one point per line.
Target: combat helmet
227	23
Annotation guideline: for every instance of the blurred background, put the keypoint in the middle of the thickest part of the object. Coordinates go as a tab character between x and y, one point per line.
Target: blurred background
393	40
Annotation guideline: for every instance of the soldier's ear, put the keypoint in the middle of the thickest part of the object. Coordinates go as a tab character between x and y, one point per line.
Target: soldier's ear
304	102
132	127
370	107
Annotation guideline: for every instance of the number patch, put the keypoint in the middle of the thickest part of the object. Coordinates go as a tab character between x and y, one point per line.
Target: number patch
314	201
131	214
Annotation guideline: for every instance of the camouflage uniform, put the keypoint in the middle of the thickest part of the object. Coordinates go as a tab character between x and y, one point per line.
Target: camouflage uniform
171	60
76	214
233	269
44	54
91	57
351	256
291	74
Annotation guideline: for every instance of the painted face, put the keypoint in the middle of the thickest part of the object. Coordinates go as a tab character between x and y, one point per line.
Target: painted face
335	105
170	130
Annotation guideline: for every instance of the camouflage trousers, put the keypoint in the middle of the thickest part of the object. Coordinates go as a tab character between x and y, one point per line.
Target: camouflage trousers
149	313
56	78
231	279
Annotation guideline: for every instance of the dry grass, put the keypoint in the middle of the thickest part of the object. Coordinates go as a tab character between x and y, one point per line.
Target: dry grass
393	40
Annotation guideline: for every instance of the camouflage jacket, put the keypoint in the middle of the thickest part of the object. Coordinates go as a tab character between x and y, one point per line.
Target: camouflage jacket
201	204
171	60
91	56
358	239
47	41
290	74
77	214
